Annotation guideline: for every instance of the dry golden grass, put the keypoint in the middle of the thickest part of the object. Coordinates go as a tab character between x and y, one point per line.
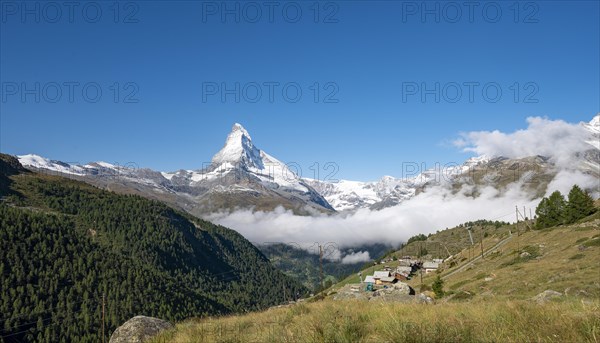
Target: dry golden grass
360	321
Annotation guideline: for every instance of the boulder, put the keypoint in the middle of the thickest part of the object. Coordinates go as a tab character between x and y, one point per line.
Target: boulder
422	298
139	329
379	292
546	296
403	288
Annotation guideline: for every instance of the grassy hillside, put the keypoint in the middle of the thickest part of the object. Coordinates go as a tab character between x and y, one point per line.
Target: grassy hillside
563	259
560	258
66	244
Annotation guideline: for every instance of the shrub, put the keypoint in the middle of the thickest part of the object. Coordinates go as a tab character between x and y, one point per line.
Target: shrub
532	253
438	287
592	243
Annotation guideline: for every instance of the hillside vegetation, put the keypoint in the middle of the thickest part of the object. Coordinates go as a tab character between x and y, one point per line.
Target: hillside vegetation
562	258
66	245
361	321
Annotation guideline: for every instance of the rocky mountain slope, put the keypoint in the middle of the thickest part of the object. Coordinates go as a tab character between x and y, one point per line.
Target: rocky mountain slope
348	195
535	172
239	176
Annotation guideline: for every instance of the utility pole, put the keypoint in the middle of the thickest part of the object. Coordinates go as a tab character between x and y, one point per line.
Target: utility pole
103	339
517	227
481	241
445	247
470	234
530	215
469	229
321	263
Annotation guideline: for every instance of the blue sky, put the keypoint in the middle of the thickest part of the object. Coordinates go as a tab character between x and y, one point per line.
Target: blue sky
168	61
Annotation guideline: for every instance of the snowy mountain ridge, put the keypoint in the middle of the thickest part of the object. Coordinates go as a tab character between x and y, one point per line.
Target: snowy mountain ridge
243	176
346	195
240	176
388	191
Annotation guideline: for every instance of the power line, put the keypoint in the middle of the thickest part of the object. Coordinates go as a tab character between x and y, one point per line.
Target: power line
20	325
502	216
36	329
45	310
16	333
25	324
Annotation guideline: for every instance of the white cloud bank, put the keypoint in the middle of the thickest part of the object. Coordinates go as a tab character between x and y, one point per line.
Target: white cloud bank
552	138
434	209
356	257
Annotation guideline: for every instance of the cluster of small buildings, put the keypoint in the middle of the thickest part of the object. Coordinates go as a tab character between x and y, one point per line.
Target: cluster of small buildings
406	268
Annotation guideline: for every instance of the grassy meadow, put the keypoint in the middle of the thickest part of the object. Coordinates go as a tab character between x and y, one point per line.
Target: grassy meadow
567	320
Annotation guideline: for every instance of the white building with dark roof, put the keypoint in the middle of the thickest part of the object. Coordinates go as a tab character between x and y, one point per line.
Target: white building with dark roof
430	267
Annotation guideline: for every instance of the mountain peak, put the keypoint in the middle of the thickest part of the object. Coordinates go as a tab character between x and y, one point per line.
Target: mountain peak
595	121
239	150
237	127
593	127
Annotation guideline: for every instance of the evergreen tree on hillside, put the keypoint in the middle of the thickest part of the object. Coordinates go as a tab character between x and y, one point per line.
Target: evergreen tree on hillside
551	211
541	212
580	205
416	238
438	287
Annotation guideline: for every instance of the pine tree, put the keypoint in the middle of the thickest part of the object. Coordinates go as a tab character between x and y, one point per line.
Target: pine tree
541	212
580	205
551	211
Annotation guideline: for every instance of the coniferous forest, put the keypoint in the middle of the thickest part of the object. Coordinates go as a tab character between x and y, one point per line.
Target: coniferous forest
66	245
555	210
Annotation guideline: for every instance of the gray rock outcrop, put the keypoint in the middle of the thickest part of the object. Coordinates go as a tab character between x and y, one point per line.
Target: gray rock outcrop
139	329
546	296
